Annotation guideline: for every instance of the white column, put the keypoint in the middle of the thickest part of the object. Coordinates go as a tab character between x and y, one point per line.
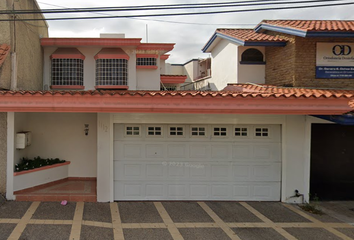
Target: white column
294	157
104	157
10	155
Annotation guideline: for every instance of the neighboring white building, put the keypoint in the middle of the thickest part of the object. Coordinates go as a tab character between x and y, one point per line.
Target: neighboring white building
238	56
198	71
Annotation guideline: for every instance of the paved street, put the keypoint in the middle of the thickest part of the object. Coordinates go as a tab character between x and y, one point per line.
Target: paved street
170	220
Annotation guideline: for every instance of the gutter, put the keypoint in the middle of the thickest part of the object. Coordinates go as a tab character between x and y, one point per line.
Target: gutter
345	119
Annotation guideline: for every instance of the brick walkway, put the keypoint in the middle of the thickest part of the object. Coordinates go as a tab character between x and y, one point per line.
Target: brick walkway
166	220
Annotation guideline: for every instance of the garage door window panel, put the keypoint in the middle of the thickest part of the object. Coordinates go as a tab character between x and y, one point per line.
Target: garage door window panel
262	132
220	131
241	132
132	131
198	131
154	131
176	131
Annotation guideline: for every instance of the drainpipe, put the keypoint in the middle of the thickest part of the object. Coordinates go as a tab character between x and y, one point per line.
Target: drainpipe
13	85
13	71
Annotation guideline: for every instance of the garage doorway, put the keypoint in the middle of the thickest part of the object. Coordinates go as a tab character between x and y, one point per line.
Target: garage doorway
197	162
332	162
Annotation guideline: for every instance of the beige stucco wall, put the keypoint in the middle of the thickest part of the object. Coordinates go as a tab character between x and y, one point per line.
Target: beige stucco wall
5	69
174	69
191	70
224	65
61	135
250	73
24	39
3	134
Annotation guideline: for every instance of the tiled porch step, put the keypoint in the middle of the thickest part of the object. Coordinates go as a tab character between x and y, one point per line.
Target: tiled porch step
57	198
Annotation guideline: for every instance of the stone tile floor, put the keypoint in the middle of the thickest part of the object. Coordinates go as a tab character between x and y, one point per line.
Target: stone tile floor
168	220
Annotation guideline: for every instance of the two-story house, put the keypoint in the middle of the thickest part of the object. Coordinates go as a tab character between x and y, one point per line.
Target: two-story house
102	110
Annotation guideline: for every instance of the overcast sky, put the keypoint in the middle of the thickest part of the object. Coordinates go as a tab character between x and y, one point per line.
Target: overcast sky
189	38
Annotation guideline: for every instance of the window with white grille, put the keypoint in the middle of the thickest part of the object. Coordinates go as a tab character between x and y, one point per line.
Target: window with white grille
261	132
198	131
220	131
67	71
146	61
154	131
241	132
176	131
132	130
112	72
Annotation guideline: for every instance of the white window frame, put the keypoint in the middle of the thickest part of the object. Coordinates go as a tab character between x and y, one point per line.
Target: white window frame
249	131
262	127
198	126
132	126
220	126
154	126
176	126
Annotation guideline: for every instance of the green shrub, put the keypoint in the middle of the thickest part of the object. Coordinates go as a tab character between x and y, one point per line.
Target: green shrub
37	162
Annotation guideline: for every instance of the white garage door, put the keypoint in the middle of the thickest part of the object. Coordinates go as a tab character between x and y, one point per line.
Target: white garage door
197	162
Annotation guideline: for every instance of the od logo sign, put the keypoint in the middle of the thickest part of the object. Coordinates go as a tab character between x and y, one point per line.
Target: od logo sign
341	50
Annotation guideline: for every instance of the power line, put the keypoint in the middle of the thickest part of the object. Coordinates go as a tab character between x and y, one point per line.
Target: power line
143	7
167	21
183	13
201	24
165	7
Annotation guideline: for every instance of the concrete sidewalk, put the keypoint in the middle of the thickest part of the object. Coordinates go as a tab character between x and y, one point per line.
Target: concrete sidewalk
167	220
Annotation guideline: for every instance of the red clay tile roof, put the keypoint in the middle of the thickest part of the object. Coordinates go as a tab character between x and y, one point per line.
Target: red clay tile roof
236	90
4	50
351	103
314	25
268	91
249	35
171	75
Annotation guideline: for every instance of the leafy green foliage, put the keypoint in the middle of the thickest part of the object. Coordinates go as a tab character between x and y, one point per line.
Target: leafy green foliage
37	162
312	207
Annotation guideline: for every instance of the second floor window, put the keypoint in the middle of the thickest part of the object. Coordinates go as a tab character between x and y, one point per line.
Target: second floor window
113	72
67	72
146	61
252	56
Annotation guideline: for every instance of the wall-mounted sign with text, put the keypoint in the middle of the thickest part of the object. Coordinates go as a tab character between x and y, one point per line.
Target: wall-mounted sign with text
335	60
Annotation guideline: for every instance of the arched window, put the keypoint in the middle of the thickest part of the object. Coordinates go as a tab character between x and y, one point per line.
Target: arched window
252	56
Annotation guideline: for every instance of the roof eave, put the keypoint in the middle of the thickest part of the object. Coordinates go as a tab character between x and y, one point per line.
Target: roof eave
241	42
209	43
302	33
172	103
330	34
290	31
265	44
